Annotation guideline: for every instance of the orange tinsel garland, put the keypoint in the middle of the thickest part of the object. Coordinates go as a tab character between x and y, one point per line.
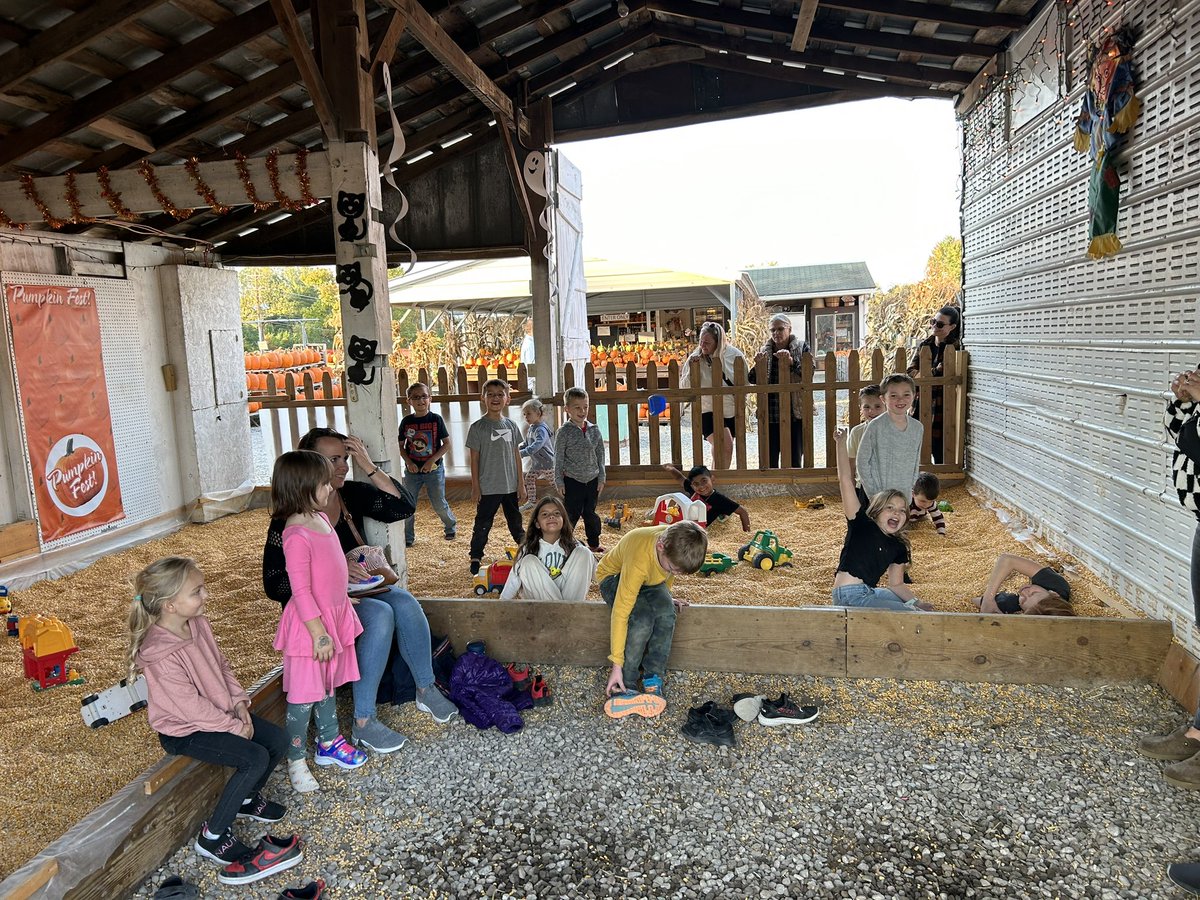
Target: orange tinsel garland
147	172
30	189
113	198
203	188
258	203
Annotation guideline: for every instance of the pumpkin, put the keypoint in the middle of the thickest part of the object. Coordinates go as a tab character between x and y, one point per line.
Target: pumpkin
78	476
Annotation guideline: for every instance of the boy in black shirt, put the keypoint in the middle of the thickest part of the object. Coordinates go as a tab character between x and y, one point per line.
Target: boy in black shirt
699	483
424	440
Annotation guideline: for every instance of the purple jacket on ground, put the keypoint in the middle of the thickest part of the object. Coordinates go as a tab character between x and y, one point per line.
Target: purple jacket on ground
483	692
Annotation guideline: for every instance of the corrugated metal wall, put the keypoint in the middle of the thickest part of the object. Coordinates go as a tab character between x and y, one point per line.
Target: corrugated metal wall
1070	356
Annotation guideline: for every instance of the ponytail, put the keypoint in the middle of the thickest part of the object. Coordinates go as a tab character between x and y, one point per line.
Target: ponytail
155	585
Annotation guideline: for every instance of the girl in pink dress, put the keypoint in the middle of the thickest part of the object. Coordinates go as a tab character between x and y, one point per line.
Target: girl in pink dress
318	627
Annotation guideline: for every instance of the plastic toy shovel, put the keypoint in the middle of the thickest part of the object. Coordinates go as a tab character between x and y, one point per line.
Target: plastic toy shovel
657	404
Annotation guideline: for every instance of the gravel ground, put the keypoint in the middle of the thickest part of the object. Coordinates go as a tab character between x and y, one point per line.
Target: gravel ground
914	790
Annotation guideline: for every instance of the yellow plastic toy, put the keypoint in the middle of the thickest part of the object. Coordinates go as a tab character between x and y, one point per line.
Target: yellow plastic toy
46	642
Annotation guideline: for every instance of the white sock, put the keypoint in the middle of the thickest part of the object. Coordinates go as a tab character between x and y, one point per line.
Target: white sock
208	834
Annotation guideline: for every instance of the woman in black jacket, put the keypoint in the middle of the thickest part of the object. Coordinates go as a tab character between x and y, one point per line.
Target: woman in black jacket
945	331
1182	746
783	351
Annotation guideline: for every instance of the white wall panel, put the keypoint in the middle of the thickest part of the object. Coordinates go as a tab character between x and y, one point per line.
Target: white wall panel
1071	356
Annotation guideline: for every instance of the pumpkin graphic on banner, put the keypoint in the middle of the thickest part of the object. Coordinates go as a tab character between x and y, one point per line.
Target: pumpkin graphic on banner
76	475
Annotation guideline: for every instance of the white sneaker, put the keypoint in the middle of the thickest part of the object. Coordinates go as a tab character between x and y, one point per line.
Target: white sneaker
301	778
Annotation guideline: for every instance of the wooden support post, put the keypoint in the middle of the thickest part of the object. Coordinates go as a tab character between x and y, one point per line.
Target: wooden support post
360	254
548	359
289	24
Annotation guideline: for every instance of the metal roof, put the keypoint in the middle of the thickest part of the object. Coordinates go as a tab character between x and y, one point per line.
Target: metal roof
86	84
503	285
796	282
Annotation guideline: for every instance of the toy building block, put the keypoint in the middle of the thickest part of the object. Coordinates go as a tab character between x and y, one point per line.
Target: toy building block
113	703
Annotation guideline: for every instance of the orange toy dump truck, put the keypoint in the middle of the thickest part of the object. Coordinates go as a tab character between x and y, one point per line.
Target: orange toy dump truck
45	645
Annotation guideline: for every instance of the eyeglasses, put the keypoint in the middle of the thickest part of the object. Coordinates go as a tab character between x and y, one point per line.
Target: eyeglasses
938	323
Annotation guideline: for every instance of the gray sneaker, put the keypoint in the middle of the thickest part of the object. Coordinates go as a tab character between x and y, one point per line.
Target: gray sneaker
378	737
432	701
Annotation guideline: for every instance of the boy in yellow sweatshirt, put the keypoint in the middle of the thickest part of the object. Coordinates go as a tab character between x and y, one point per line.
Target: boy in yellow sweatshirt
635	581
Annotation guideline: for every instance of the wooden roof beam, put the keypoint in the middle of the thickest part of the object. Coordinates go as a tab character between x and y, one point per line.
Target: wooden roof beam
175	182
71	34
310	72
822	31
804	23
139	82
443	48
845	83
933	12
846	62
469	120
570	68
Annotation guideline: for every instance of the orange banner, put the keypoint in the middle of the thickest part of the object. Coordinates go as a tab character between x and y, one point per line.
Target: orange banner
64	404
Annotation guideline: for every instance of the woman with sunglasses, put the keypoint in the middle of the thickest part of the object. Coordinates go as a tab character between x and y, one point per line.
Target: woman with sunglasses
945	331
782	351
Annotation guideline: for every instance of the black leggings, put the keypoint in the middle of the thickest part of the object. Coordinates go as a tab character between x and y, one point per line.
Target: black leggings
252	760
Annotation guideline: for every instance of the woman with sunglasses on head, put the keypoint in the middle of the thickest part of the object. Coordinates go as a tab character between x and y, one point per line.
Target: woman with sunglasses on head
782	351
945	331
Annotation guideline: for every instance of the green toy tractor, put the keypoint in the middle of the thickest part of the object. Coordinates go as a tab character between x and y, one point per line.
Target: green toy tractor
767	553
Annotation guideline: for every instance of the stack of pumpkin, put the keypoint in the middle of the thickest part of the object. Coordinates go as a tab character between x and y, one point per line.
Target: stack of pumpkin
661	353
492	359
298	361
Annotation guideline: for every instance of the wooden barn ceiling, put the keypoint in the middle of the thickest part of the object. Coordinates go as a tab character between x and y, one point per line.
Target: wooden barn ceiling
92	83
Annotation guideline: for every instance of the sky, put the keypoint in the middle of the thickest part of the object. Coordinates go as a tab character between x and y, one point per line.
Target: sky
875	180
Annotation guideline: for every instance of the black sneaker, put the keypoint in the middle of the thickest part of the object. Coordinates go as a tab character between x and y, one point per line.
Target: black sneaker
1186	876
225	849
475	566
260	809
710	724
785	712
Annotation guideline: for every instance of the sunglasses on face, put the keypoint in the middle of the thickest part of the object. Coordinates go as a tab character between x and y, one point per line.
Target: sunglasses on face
939	324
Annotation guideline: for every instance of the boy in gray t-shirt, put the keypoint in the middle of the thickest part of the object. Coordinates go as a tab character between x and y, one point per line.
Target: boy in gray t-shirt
495	470
890	453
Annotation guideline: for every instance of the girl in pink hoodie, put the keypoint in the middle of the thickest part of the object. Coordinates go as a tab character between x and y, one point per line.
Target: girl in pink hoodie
318	626
196	704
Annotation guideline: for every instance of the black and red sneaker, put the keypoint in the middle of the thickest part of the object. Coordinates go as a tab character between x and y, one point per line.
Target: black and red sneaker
520	675
539	691
273	854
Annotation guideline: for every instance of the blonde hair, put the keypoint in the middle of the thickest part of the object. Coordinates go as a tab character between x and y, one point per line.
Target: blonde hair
154	585
879	503
1051	605
685	544
534	404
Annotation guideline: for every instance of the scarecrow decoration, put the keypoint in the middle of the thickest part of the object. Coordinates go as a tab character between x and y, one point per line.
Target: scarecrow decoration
1109	110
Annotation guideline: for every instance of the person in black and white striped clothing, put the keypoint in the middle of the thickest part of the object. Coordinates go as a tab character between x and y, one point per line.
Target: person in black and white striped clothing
1182	746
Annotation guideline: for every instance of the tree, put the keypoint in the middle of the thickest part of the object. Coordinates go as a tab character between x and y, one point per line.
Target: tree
900	316
292	292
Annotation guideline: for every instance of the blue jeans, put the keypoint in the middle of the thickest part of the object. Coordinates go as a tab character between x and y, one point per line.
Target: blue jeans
394	612
435	486
865	595
649	631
